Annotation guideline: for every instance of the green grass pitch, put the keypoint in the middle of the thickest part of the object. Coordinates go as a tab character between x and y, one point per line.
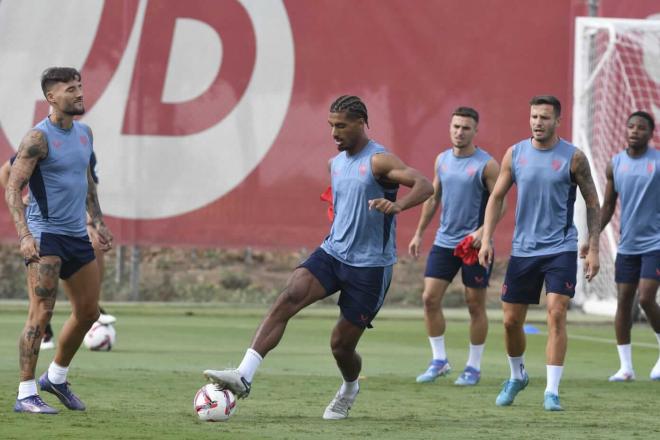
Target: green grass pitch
144	388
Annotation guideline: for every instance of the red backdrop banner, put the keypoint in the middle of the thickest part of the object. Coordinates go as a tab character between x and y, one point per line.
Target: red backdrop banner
210	119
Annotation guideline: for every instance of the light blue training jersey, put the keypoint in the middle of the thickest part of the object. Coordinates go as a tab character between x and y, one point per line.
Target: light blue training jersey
546	198
637	181
464	195
58	186
359	236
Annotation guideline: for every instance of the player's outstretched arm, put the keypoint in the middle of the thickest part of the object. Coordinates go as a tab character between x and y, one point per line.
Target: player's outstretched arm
429	209
582	174
389	168
95	216
495	208
33	148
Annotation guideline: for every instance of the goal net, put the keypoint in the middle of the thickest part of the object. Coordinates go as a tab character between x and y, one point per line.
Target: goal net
616	72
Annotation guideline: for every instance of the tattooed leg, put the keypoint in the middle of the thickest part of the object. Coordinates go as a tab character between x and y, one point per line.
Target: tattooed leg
42	290
83	291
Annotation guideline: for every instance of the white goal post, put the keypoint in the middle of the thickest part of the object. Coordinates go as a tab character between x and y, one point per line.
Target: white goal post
616	72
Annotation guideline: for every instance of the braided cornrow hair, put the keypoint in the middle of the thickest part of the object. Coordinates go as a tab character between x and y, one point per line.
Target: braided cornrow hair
352	105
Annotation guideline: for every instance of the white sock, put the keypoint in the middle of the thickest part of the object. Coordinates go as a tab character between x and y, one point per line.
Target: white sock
349	389
517	365
474	359
553	377
438	347
250	363
57	373
625	356
27	388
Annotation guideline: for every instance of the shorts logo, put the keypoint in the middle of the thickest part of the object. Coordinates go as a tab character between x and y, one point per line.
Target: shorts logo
504	289
556	164
657	272
569	286
479	280
364	318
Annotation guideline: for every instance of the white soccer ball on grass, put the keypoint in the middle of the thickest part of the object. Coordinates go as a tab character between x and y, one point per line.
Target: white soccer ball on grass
213	404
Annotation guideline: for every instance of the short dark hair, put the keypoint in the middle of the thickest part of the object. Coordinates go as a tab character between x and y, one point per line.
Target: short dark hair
547	99
467	112
644	115
54	75
352	105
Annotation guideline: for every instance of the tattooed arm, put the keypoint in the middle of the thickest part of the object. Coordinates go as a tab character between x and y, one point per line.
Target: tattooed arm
582	175
33	148
94	214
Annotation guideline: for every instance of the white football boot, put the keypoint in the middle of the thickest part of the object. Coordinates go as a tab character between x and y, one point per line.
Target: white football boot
339	407
655	372
230	379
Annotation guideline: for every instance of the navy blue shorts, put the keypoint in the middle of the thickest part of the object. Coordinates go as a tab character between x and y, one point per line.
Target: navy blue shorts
525	275
75	252
444	265
363	289
628	269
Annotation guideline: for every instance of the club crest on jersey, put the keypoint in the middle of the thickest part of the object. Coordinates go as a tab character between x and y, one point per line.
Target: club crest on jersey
522	161
556	164
362	169
84	140
471	170
57	143
650	167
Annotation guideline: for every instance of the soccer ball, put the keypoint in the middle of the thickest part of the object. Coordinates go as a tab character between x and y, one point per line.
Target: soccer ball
213	404
100	337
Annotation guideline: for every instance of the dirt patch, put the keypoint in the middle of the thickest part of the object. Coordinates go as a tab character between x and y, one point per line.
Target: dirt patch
228	275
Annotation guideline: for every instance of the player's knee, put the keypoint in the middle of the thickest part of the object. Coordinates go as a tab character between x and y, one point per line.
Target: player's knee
512	323
87	314
340	347
556	315
431	300
41	315
647	299
476	306
290	299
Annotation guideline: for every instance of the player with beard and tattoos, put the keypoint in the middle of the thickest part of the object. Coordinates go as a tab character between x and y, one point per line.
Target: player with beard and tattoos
546	170
53	160
356	258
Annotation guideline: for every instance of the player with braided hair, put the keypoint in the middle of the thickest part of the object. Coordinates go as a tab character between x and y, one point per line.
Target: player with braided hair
356	258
